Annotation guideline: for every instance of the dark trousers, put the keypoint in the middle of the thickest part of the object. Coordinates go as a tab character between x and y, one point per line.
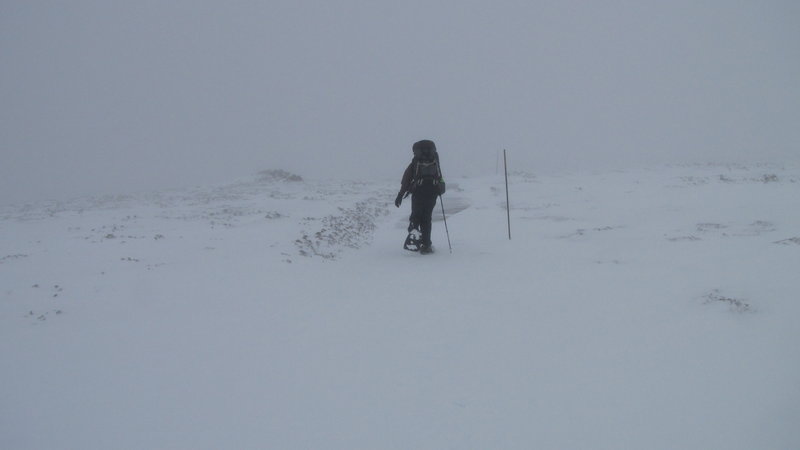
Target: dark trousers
423	200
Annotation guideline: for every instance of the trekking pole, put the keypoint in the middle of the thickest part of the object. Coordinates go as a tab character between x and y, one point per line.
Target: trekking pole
441	202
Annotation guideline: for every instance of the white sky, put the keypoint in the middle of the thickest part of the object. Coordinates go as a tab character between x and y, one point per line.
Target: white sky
116	96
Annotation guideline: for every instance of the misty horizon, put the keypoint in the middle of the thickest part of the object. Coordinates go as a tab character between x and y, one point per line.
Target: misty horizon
112	97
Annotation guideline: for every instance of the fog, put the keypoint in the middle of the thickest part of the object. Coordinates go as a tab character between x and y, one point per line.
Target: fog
119	96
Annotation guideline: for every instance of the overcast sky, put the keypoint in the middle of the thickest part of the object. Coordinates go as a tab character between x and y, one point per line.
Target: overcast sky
116	96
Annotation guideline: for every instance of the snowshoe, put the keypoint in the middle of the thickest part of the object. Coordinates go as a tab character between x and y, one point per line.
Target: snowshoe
413	242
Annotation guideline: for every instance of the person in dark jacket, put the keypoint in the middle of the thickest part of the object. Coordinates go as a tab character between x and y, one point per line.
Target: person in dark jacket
423	180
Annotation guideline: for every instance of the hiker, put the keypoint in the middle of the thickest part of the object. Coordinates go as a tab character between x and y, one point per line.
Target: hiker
423	180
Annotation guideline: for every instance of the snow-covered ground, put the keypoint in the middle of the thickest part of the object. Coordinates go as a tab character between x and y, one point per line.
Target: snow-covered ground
640	309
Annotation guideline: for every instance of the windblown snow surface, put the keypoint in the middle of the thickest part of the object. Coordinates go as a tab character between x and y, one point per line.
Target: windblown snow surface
641	309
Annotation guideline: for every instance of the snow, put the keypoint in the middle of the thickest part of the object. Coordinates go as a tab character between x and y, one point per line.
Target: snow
648	308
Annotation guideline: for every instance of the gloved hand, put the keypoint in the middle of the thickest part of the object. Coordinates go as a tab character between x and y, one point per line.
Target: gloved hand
399	199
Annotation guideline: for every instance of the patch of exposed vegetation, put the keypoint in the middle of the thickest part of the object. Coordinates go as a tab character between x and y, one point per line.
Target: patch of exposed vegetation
734	304
278	175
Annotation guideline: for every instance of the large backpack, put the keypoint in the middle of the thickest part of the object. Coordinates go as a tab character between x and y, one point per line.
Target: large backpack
428	172
426	168
425	149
